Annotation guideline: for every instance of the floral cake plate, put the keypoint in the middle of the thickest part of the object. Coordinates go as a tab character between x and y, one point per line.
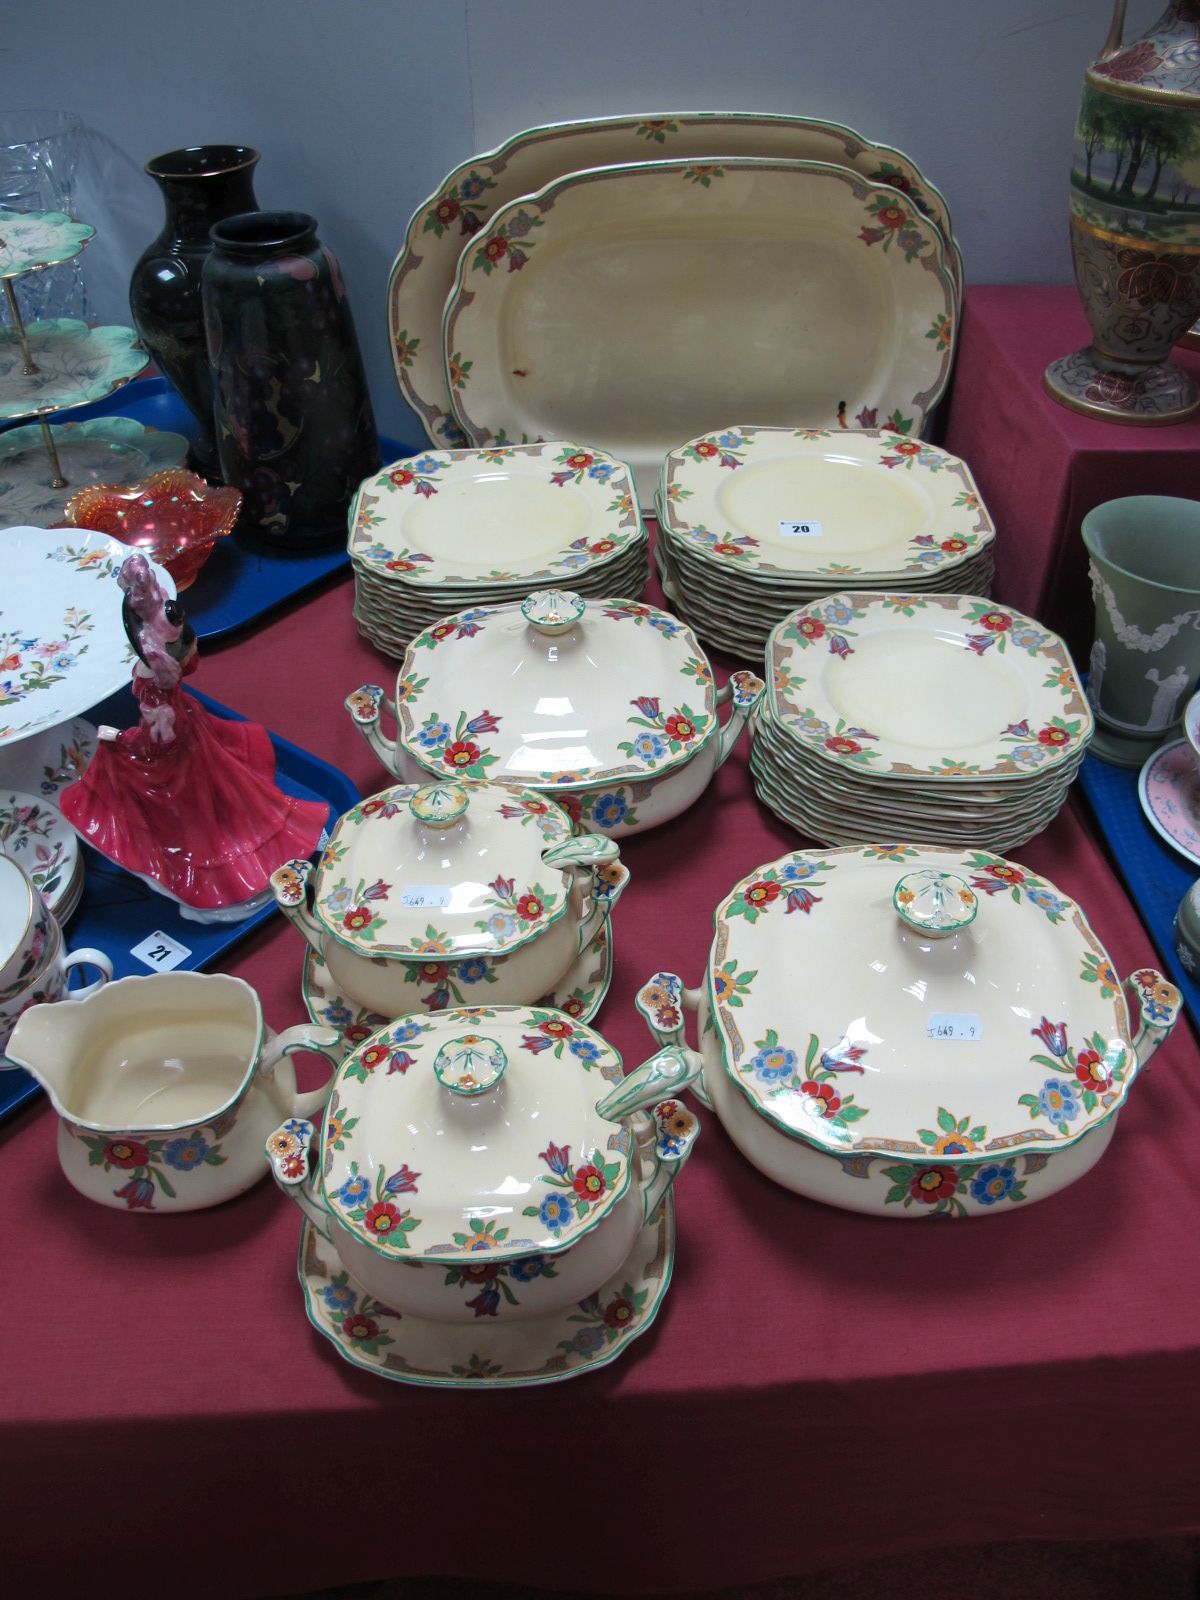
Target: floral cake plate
1169	793
580	993
567	294
62	642
102	450
75	364
487	1354
423	272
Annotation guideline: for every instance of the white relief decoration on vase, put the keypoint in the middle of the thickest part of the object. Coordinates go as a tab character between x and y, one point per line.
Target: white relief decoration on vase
1096	665
1166	697
1128	633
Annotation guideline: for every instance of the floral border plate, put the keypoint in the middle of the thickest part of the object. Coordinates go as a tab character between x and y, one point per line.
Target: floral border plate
559	504
423	272
103	450
47	762
31	240
1169	795
487	1354
821	503
34	834
62	642
74	364
566	318
1038	689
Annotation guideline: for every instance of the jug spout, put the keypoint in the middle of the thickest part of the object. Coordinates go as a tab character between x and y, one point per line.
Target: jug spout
46	1043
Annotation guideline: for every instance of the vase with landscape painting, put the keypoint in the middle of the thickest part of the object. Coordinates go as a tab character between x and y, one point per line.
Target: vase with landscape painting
1135	222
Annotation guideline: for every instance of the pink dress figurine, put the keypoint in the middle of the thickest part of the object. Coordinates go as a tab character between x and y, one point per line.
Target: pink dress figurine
185	798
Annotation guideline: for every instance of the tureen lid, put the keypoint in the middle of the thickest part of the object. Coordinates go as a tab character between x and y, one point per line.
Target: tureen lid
951	1004
475	1131
556	691
447	869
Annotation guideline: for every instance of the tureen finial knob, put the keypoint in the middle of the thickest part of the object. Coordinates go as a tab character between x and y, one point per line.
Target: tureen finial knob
552	610
439	805
470	1065
935	903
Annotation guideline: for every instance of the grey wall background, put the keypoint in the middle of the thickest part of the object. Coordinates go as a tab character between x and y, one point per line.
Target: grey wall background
360	107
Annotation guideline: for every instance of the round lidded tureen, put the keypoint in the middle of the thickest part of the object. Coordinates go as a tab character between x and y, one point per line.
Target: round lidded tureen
608	705
451	885
500	1149
959	1043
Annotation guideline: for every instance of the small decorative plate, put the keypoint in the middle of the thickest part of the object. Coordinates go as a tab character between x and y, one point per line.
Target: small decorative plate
819	503
62	642
489	1354
929	685
75	364
31	240
566	293
513	514
1169	792
34	834
103	450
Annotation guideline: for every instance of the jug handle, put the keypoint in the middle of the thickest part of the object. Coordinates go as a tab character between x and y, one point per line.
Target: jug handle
1116	31
305	1036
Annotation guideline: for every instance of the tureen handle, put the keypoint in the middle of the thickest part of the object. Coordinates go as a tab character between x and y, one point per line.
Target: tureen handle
662	1002
304	1036
745	690
1158	1004
363	706
290	1150
665	1138
608	877
293	895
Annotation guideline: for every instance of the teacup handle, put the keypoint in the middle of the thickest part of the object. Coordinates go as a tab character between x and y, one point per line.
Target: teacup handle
305	1036
87	958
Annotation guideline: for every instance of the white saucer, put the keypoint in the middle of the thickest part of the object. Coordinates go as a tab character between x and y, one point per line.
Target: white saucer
34	834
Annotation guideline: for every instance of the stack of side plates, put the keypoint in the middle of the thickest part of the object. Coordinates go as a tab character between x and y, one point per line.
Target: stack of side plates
755	522
943	718
34	834
452	529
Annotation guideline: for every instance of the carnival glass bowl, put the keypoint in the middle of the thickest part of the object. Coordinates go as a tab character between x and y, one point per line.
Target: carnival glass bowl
173	516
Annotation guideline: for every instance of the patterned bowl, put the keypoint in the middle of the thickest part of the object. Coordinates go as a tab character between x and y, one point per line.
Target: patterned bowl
174	516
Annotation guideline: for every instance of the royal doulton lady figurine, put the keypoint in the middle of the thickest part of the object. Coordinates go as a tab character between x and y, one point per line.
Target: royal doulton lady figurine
186	799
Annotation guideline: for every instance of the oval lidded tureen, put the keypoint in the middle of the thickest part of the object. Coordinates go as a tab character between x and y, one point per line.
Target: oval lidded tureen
913	1032
607	705
488	1161
453	884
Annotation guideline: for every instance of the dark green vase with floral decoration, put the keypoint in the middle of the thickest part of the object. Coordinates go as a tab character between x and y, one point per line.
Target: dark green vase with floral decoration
295	430
1135	223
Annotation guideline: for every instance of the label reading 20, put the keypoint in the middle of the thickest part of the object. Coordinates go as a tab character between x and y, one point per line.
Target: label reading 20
799	530
954	1025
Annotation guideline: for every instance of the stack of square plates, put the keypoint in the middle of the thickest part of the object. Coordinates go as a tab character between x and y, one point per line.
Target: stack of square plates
451	529
757	521
941	718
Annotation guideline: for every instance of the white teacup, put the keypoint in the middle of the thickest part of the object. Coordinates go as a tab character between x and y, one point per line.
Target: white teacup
48	983
26	930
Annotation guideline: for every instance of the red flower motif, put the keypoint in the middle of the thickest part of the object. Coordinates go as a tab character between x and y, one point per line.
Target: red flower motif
618	1312
358	918
706	450
400	566
892	216
1054	736
555	1028
842	746
810	628
761	893
400	476
574	1006
126	1153
433	971
995	621
1130	65
462	753
589	1183
602	547
482	1273
495	249
382	1218
580	460
293	1166
952	547
360	1327
679	727
931	1184
370	807
373	1056
442	631
446	210
908	448
529	908
9	663
1006	874
827	1100
724	549
357	1032
1091	1071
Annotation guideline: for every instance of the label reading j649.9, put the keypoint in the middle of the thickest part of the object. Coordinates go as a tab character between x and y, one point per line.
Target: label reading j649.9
954	1025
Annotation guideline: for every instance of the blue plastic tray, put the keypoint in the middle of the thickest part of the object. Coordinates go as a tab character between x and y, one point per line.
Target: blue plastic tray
1156	876
242	580
118	911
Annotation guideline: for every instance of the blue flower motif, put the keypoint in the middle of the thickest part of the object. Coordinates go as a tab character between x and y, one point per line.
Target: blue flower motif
519	225
772	1065
669	1144
433	733
1154	1010
602	471
472	187
526	1268
338	1016
426	464
838	611
339	1297
730	440
584	1049
555	1212
63	663
404	1031
501	926
579	560
797	871
649	747
993	1183
186	1153
664	625
473	971
1058	1102
588	1340
355	1191
1047	902
609	809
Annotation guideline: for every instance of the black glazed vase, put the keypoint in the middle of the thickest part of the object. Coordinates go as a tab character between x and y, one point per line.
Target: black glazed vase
295	430
199	186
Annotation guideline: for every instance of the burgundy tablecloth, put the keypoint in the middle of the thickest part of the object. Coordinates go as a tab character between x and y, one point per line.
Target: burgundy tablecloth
1040	467
819	1387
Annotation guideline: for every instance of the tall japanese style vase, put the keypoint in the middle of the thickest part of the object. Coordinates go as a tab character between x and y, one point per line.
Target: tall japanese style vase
1135	222
295	430
200	186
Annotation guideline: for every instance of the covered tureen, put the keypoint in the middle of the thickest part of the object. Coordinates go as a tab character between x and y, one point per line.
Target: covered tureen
450	886
913	1032
608	705
489	1162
